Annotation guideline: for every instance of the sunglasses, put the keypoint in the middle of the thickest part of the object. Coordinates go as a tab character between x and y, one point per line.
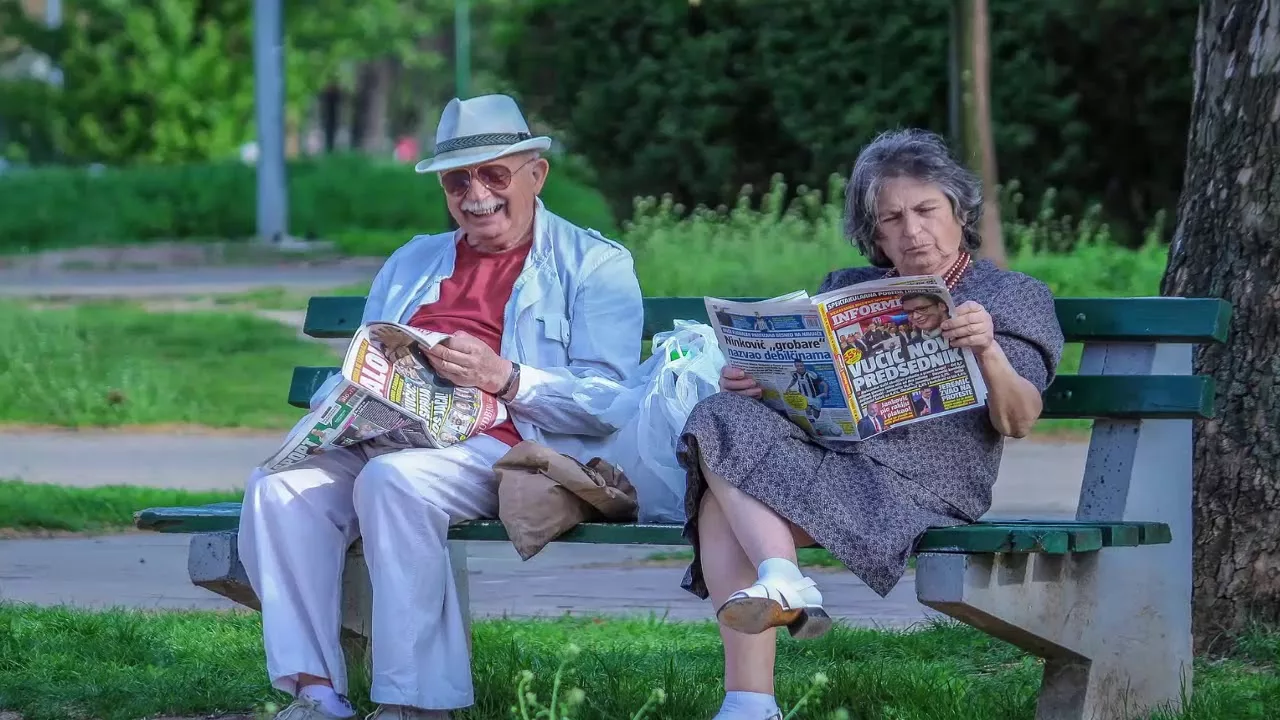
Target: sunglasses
492	176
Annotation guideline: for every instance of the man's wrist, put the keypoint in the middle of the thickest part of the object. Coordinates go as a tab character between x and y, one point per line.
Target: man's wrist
510	381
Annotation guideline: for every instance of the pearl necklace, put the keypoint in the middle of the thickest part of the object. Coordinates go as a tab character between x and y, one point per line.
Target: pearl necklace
952	275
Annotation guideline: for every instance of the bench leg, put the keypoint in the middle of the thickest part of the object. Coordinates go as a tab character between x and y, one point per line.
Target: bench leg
461	575
1095	618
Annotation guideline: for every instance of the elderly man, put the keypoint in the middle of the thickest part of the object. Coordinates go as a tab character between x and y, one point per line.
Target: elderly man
536	307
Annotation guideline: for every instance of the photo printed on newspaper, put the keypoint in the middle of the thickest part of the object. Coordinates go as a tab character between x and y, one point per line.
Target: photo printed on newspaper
897	367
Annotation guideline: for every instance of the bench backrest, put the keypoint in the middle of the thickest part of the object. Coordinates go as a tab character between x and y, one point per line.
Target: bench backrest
1146	321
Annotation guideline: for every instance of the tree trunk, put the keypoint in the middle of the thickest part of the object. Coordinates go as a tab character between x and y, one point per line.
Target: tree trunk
979	145
1226	245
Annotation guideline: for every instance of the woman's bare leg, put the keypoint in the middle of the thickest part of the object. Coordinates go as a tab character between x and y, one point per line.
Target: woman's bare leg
761	533
748	659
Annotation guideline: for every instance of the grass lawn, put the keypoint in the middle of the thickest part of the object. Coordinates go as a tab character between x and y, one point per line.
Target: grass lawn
111	364
36	506
121	665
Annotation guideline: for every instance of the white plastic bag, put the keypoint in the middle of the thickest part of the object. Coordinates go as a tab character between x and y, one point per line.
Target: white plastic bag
651	412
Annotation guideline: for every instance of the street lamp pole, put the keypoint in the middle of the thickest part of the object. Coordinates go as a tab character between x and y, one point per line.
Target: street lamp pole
268	88
461	65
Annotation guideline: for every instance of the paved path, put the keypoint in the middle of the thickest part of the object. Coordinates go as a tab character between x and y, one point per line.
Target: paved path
149	571
182	282
1035	477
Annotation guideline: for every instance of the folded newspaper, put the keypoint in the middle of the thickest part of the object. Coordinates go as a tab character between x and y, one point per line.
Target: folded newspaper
387	387
854	362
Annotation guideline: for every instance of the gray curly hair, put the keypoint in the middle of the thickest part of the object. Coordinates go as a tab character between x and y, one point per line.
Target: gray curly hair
920	155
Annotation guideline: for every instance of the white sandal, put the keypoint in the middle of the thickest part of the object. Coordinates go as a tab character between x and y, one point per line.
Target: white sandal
772	603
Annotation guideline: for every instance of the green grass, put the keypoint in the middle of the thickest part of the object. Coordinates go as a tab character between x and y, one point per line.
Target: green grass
113	364
37	506
57	663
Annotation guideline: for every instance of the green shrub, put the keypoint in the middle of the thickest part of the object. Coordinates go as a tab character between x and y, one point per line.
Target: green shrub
59	207
773	247
698	99
171	81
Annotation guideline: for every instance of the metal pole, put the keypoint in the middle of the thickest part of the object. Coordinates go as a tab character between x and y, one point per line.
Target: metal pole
268	86
462	48
53	19
461	66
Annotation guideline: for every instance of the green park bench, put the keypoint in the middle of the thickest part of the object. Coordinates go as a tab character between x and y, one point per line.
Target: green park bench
1104	599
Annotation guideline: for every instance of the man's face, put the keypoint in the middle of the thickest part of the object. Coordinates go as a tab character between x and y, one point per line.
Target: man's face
494	201
924	313
799	366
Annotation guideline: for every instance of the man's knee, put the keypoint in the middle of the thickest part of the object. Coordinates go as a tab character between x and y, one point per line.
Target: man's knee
388	479
265	491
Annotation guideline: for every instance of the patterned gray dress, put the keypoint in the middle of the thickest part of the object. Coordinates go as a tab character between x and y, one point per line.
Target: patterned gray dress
869	502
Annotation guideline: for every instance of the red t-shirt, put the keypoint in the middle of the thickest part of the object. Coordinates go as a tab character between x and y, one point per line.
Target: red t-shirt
473	299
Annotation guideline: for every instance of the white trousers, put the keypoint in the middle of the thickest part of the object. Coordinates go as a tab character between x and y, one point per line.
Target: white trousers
296	526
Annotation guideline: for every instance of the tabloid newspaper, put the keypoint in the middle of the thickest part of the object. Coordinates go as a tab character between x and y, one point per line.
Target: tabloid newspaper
854	362
388	388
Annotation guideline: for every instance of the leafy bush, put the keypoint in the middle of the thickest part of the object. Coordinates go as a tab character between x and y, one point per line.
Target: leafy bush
773	247
698	99
59	207
173	80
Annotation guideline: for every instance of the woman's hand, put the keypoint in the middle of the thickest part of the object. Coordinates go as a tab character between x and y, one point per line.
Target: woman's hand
970	326
736	380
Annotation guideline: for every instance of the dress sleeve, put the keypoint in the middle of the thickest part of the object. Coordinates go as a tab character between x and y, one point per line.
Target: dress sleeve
1026	327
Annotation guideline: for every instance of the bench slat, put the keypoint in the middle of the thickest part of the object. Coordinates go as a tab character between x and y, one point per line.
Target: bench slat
1151	319
1070	396
1026	536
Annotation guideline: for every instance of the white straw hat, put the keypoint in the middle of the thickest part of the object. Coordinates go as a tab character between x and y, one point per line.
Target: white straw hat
479	130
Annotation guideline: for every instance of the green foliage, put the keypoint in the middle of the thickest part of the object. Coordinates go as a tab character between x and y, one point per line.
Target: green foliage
172	80
698	99
43	506
59	207
119	664
773	247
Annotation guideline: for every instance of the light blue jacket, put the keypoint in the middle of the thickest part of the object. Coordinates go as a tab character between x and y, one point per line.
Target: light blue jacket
575	313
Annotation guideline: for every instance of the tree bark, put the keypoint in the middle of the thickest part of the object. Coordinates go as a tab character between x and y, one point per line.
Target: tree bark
1226	245
979	145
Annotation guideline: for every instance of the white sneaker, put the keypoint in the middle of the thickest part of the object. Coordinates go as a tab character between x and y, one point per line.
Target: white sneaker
403	712
303	708
773	603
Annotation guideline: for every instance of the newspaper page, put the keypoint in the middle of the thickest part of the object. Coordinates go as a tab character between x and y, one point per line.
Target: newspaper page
897	367
782	344
387	387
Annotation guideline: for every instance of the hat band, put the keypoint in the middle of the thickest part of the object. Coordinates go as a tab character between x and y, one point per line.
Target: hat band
466	142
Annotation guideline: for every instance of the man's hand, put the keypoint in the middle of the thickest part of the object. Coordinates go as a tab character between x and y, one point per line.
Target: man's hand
970	327
735	380
465	360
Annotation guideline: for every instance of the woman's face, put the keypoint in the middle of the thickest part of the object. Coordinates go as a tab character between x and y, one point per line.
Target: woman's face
918	231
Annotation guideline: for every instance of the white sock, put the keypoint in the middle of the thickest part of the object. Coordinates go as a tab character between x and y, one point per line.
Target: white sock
331	703
780	568
742	705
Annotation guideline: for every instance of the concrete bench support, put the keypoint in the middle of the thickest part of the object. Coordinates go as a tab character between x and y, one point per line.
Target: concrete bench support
1114	627
213	562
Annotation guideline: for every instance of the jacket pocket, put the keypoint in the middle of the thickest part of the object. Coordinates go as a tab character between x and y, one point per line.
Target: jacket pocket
555	327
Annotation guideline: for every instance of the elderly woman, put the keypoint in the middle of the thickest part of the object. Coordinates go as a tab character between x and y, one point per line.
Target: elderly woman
759	487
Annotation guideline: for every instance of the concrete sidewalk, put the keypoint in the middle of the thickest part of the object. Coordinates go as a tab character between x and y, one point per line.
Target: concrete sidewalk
1035	477
149	570
18	283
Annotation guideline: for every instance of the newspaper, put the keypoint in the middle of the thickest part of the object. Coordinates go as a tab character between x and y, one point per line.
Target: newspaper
387	387
854	362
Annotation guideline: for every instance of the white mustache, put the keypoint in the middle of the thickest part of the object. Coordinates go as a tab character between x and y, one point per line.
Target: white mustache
481	206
